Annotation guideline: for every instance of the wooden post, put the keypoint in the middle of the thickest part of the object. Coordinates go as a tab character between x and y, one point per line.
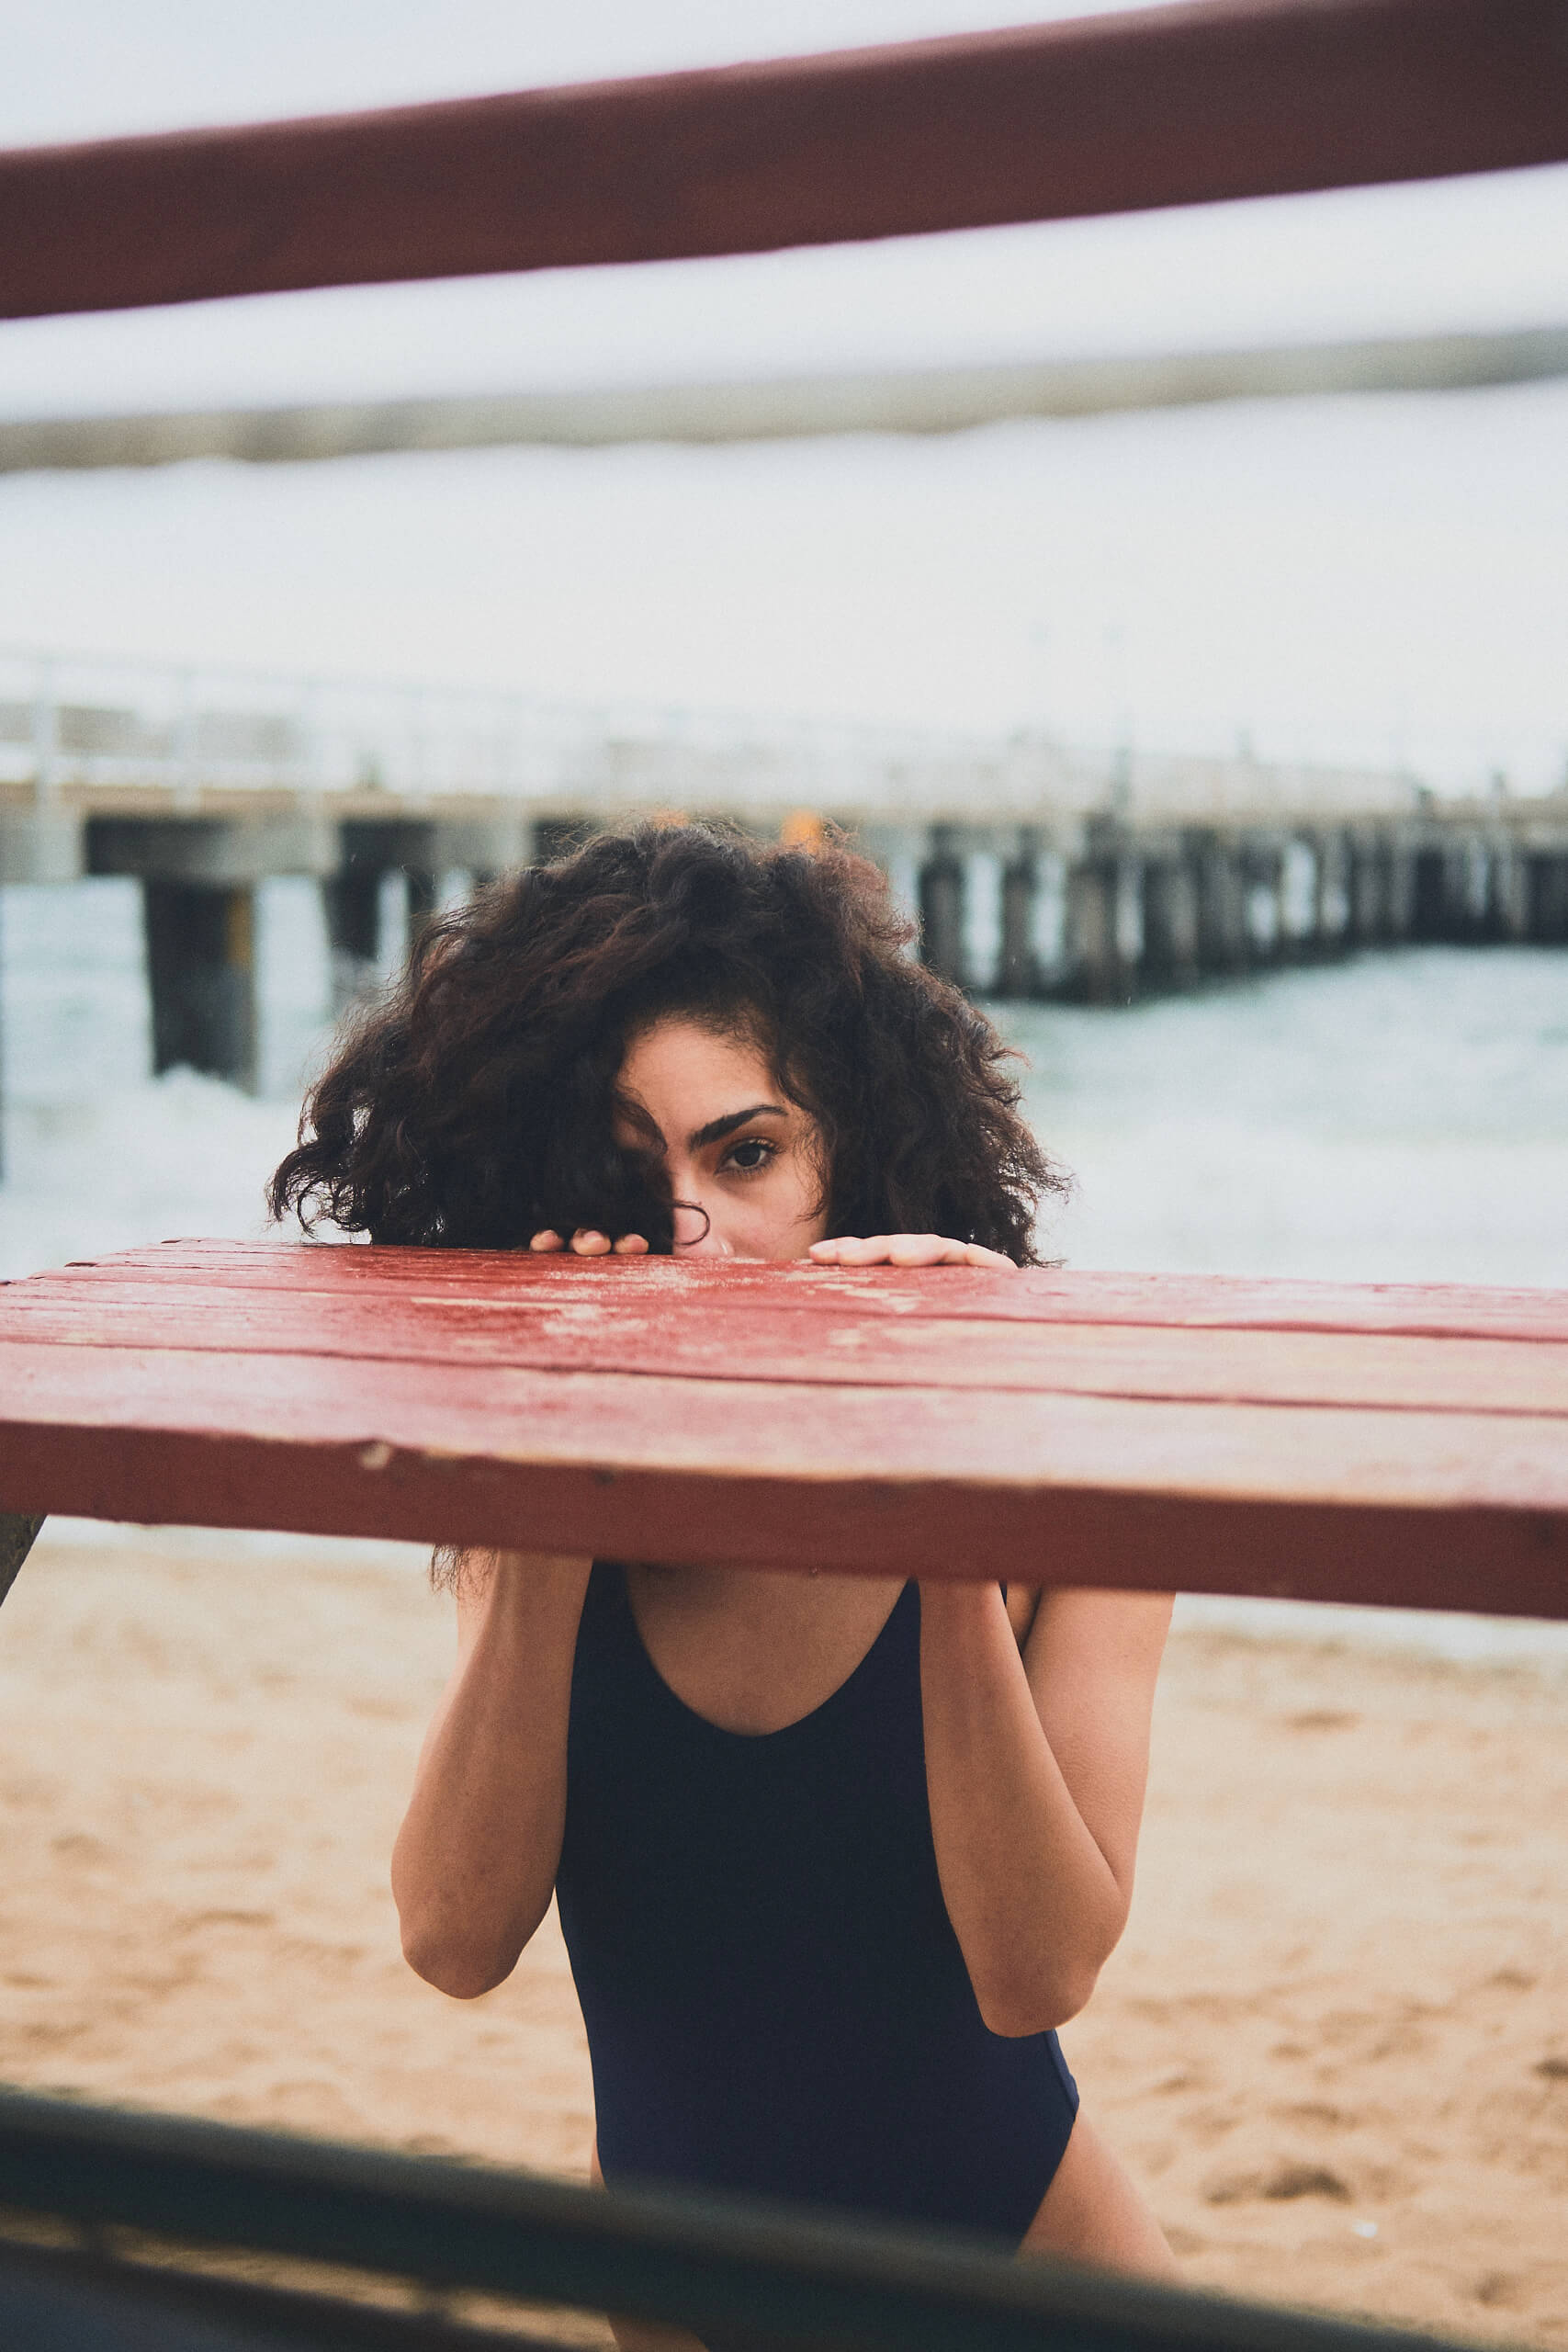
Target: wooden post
941	908
1549	899
422	888
1430	907
353	902
1507	912
1369	892
1033	919
201	969
1105	926
1334	864
1298	895
1399	867
1261	864
369	849
1475	862
1222	907
1017	973
1170	923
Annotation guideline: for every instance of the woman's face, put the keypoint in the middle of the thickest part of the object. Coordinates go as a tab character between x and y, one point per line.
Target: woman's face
735	1146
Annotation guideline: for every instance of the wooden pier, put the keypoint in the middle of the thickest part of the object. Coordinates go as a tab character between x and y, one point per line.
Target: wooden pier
1034	871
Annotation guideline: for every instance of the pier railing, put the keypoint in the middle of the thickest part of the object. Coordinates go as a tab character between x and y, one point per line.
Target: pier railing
74	725
79	726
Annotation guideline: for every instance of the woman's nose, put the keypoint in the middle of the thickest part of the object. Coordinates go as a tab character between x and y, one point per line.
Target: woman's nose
696	1233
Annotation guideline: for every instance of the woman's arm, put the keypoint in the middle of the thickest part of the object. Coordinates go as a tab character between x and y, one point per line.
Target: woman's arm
474	1866
1035	1768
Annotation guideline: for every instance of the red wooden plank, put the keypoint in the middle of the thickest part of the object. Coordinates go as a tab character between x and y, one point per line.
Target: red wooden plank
954	1473
1170	106
1041	1295
982	1439
714	1334
1430	1510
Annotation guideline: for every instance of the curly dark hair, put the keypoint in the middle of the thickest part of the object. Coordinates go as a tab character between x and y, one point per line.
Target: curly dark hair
475	1105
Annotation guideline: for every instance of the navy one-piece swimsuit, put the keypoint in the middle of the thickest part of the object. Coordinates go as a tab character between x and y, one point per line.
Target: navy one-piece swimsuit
776	2000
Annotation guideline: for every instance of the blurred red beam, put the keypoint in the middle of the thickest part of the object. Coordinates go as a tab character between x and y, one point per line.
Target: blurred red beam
1183	104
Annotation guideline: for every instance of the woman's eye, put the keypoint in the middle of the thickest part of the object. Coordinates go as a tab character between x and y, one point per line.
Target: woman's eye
750	1157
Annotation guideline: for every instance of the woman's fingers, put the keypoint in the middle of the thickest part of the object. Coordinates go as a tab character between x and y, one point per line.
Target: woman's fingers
925	1250
586	1242
976	1254
844	1250
852	1249
906	1250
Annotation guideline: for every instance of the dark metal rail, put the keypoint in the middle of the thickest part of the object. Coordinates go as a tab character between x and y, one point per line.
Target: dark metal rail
762	2275
1185	105
54	2301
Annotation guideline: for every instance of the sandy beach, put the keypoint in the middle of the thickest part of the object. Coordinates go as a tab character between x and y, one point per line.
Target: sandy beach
1334	2044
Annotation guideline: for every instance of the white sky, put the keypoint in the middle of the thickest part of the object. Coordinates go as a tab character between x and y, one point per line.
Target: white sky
1377	575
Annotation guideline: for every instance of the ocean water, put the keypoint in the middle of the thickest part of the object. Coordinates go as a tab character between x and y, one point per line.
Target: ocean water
1399	1116
98	1154
1403	1116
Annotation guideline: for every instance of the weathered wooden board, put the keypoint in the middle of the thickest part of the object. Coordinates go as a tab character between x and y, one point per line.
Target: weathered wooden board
746	1335
641	1409
1156	106
1047	1295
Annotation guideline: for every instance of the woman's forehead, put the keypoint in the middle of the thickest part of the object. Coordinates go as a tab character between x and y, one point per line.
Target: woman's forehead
680	1069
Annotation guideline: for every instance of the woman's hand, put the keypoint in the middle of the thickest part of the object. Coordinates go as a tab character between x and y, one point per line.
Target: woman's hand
907	1250
847	1249
586	1243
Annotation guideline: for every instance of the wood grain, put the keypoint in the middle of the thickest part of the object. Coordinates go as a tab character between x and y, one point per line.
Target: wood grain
1221	1302
740	1335
1266	1498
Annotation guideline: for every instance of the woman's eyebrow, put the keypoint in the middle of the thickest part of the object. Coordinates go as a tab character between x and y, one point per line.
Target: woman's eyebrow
717	1129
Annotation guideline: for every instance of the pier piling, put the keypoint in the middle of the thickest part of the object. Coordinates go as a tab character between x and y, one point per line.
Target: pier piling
1549	899
941	907
368	850
201	971
1172	931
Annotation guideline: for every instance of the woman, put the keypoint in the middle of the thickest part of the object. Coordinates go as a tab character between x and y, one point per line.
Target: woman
835	1856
